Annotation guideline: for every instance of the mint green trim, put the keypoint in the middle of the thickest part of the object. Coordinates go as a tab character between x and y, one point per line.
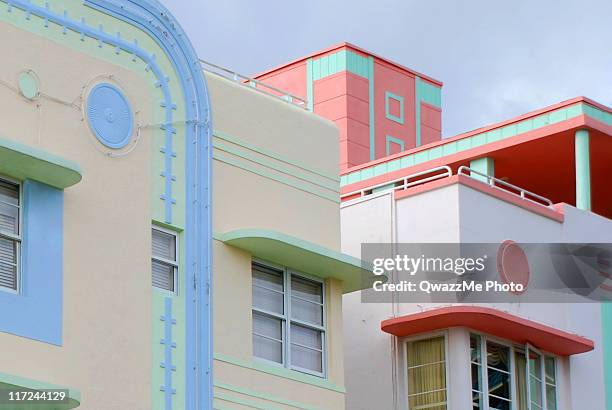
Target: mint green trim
263	173
88	46
596	113
23	162
430	94
28	85
583	170
280	372
9	381
371	106
393	140
332	186
483	138
264	396
243	402
299	254
268	153
309	85
606	323
485	165
167	226
343	60
389	95
417	105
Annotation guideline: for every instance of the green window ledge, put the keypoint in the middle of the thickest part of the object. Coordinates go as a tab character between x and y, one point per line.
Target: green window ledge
300	255
279	371
22	162
20	384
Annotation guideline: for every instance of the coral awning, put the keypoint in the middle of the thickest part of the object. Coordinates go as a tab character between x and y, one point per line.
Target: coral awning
493	322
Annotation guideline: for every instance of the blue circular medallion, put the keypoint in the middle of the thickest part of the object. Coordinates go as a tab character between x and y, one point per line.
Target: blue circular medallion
110	116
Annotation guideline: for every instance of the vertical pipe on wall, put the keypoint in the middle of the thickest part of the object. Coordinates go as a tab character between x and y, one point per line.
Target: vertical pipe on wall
583	170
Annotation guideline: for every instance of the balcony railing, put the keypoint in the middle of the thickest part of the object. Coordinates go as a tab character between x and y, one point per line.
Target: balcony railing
402	183
442	172
505	186
255	84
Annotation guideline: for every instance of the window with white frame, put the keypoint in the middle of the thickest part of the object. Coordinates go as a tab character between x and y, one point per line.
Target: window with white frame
504	379
288	318
164	263
10	235
426	374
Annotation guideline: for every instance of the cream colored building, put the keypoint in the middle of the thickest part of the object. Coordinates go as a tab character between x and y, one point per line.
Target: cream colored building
168	239
275	202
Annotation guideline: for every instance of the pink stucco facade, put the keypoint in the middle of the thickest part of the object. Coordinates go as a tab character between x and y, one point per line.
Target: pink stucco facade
380	107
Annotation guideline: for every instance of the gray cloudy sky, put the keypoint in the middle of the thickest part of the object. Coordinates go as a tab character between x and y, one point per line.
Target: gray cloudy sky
497	59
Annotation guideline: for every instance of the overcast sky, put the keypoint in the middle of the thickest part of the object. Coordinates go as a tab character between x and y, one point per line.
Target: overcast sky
497	59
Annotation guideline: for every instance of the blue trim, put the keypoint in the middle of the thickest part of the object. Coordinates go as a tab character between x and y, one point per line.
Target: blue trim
167	365
110	115
389	95
392	140
36	312
79	26
156	20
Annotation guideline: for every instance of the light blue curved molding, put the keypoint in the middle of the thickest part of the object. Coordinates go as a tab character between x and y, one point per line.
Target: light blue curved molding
98	33
156	20
153	18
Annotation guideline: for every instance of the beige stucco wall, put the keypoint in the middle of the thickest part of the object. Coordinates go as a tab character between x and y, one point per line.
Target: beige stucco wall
106	310
269	147
296	136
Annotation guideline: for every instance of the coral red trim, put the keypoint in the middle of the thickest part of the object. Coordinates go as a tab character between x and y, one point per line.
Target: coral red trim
493	322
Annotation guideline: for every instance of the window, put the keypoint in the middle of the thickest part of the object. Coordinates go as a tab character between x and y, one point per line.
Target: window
498	376
10	235
165	260
541	387
476	364
426	362
288	319
550	378
503	378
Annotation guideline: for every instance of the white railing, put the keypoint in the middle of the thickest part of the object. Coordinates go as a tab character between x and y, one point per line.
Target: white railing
407	181
437	173
507	187
255	84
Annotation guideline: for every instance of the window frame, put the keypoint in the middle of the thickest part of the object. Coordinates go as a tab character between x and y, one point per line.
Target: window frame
529	348
513	348
416	338
174	264
287	320
17	238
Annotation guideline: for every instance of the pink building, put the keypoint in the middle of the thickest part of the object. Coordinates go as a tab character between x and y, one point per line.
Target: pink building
380	107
